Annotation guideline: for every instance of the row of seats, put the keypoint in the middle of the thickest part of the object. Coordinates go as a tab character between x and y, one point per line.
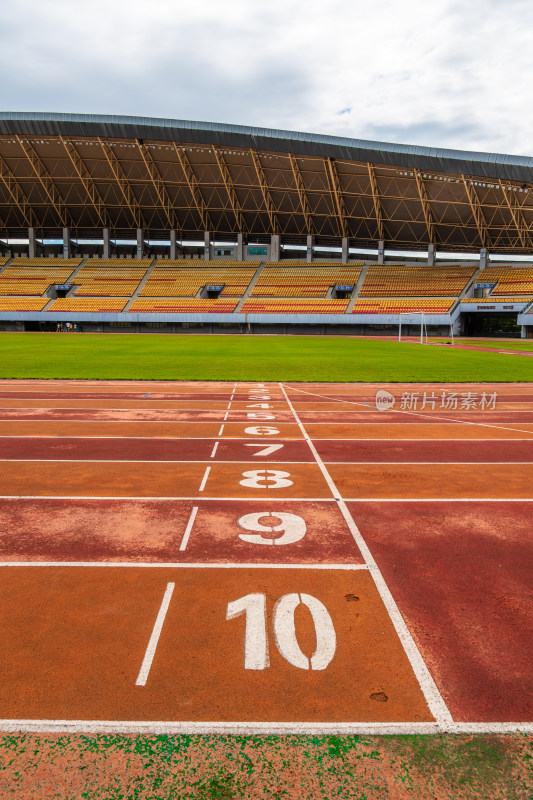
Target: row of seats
89	304
492	299
23	303
439	305
276	281
118	262
102	282
173	305
296	262
17	280
401	281
509	280
173	282
46	262
294	307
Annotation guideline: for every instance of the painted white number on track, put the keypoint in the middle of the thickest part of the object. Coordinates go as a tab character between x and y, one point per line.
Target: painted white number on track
266	479
259	415
262	430
293	528
265	451
255	635
259	397
259	405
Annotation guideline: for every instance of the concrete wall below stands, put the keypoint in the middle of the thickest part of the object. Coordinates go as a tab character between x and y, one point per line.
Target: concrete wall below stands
264	319
281	324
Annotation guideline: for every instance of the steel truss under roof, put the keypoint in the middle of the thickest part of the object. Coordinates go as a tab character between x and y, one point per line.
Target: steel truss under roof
87	172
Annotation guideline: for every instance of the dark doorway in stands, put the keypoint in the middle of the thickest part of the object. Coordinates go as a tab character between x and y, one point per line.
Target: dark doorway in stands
496	324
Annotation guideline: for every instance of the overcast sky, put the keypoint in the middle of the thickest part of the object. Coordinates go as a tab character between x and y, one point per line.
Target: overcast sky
434	72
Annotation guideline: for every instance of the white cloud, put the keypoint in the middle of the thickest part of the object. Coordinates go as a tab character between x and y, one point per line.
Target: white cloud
442	73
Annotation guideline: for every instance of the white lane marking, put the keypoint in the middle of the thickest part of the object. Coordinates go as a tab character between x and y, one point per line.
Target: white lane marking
188	529
250	728
154	638
223	499
157	498
202	461
438	499
226	416
204	479
267	450
375	412
428	686
179	564
213	451
400	411
240	438
221	431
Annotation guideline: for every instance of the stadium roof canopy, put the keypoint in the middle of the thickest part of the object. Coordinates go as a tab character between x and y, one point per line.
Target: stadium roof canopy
88	172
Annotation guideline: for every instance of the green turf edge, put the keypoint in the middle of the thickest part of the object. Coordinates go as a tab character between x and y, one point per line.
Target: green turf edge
248	358
505	344
118	767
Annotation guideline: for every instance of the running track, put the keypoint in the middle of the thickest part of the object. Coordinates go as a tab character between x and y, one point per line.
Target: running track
220	557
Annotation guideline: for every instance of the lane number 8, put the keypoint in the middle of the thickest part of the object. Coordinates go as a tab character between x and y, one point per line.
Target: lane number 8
256	654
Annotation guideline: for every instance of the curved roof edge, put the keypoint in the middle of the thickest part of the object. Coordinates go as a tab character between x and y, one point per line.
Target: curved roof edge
486	165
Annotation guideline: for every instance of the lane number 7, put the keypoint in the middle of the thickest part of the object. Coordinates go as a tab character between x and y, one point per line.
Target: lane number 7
265	451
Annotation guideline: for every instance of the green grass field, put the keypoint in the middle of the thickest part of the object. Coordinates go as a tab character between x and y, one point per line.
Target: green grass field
236	357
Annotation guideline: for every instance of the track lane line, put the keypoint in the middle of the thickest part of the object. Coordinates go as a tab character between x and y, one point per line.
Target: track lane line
181	565
188	529
204	479
401	411
146	665
203	461
433	698
260	728
271	498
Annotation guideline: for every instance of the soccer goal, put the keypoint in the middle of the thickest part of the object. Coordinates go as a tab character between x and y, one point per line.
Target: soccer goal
413	318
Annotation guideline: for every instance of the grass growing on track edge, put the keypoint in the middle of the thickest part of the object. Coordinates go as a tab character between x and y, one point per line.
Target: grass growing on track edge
244	358
115	767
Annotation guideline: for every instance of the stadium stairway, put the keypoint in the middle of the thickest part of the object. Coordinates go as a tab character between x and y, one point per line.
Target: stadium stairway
73	275
140	287
7	264
249	289
70	280
357	288
470	284
528	308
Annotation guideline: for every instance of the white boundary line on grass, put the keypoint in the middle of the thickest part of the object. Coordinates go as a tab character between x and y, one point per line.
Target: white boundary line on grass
433	698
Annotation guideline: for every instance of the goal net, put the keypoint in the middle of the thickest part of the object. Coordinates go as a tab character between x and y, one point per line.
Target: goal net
410	318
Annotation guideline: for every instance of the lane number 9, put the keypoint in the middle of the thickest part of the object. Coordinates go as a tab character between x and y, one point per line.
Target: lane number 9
291	526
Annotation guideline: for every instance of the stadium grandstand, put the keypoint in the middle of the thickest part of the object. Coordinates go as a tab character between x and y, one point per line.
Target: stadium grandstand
131	224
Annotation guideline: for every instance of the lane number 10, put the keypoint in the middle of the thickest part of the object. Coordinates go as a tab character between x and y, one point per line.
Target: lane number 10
256	655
